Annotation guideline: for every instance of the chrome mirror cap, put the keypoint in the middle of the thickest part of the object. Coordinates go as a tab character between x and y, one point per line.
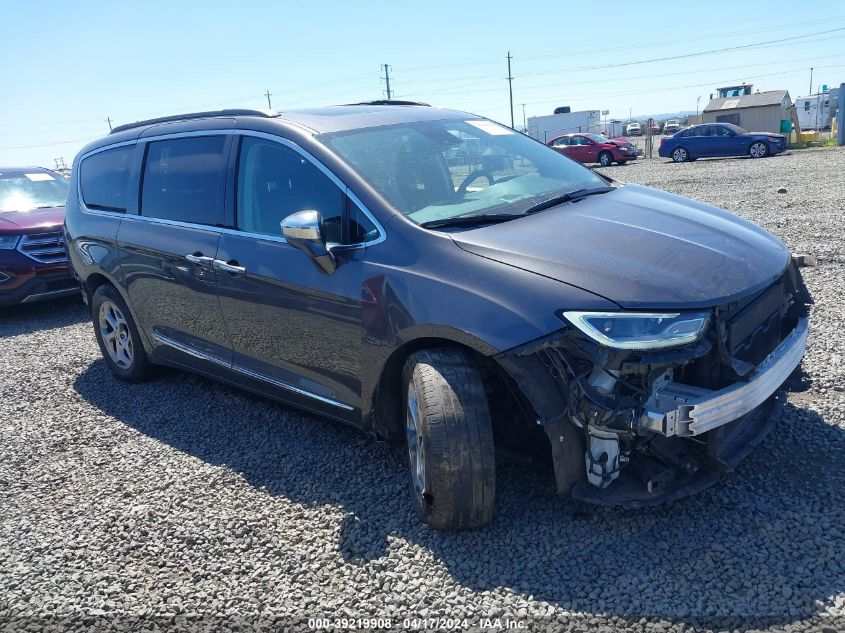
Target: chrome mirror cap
302	225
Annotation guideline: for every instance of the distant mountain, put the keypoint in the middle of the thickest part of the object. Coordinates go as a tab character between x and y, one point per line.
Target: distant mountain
664	115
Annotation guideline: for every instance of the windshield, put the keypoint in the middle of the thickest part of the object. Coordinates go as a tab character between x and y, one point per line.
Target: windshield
21	191
434	170
599	138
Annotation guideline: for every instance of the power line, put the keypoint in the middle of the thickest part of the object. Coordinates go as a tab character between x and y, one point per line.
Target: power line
628	47
591	82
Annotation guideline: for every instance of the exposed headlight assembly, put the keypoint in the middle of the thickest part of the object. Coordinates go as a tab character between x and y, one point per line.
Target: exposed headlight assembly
8	242
640	330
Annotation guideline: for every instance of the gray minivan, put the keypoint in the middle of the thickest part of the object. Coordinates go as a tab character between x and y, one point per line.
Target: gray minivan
440	280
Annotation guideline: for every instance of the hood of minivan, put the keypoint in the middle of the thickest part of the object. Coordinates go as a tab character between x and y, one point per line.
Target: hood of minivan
17	221
638	247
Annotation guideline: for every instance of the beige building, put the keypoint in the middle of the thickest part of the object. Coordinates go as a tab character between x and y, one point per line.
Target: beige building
758	112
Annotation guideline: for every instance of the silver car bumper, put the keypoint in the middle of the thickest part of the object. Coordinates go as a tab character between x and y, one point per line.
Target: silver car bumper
685	410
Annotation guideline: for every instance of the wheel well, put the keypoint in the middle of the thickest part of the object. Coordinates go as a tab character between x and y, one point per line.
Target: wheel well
513	420
93	282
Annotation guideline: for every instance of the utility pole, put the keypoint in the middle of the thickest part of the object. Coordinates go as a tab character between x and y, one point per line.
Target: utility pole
811	82
269	107
510	86
524	120
108	120
387	80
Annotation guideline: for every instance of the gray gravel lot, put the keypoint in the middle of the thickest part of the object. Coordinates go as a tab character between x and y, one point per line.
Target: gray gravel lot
181	503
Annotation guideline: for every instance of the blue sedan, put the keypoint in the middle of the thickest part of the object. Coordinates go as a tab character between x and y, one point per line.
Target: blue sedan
719	139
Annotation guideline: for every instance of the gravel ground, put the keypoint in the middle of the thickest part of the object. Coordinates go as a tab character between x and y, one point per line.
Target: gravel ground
181	503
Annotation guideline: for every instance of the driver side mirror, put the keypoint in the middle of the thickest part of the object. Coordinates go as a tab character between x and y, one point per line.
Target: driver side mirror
303	230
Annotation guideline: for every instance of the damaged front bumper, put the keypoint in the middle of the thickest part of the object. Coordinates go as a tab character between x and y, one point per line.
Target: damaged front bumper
685	410
637	428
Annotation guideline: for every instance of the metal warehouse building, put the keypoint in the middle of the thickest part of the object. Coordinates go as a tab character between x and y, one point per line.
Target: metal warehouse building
758	112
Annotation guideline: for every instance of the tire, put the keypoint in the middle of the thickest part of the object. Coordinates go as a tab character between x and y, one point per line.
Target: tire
605	159
449	440
680	155
117	336
758	149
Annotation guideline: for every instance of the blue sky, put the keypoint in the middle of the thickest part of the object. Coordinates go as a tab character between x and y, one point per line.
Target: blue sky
67	66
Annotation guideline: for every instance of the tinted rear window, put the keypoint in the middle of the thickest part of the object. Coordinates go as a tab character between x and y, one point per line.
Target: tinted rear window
104	179
184	180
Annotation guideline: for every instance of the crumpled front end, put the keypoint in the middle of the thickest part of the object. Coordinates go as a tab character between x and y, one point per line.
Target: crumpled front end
640	427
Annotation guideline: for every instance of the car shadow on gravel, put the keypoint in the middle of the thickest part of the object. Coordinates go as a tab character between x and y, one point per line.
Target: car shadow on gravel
762	547
44	315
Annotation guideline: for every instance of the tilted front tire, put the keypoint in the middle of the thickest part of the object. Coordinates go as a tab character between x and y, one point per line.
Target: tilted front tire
118	336
449	440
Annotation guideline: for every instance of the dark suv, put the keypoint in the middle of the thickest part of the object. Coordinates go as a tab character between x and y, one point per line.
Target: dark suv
33	262
337	260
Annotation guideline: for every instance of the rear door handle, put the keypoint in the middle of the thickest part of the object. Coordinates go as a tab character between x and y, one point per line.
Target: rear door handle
200	260
229	267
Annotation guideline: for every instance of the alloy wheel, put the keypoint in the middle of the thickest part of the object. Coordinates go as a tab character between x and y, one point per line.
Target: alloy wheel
416	450
758	150
679	155
114	330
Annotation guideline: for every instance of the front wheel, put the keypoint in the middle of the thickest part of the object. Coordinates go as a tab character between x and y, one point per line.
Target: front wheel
758	150
449	437
605	159
680	155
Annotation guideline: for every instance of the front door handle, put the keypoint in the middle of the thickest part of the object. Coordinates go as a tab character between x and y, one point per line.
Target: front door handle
200	260
229	267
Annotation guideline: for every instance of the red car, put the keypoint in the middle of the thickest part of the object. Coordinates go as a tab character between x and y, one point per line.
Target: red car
33	261
594	148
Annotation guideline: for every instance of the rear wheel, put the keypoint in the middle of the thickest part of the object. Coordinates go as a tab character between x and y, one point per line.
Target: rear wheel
680	155
605	159
449	440
118	336
758	150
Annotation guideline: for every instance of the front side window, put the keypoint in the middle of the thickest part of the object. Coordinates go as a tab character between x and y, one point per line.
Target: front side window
25	190
104	179
503	171
275	181
184	180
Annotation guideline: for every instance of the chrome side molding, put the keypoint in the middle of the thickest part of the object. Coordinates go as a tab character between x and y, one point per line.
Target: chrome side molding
190	351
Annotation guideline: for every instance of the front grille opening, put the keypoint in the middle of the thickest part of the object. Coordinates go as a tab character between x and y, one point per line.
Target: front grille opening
47	247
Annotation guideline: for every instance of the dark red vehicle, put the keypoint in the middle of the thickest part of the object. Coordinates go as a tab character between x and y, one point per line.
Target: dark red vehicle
594	148
33	261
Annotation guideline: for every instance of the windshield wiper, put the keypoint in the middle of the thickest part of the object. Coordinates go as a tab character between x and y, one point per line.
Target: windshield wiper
471	220
572	196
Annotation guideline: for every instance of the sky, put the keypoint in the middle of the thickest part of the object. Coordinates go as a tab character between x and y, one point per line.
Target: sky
68	67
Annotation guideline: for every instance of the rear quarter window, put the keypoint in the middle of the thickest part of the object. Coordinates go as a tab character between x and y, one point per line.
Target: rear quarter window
104	179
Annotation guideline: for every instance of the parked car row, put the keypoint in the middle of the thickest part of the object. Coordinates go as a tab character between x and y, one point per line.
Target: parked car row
343	260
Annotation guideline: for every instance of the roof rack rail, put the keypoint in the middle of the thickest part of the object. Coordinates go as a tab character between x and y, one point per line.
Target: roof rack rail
389	102
269	114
